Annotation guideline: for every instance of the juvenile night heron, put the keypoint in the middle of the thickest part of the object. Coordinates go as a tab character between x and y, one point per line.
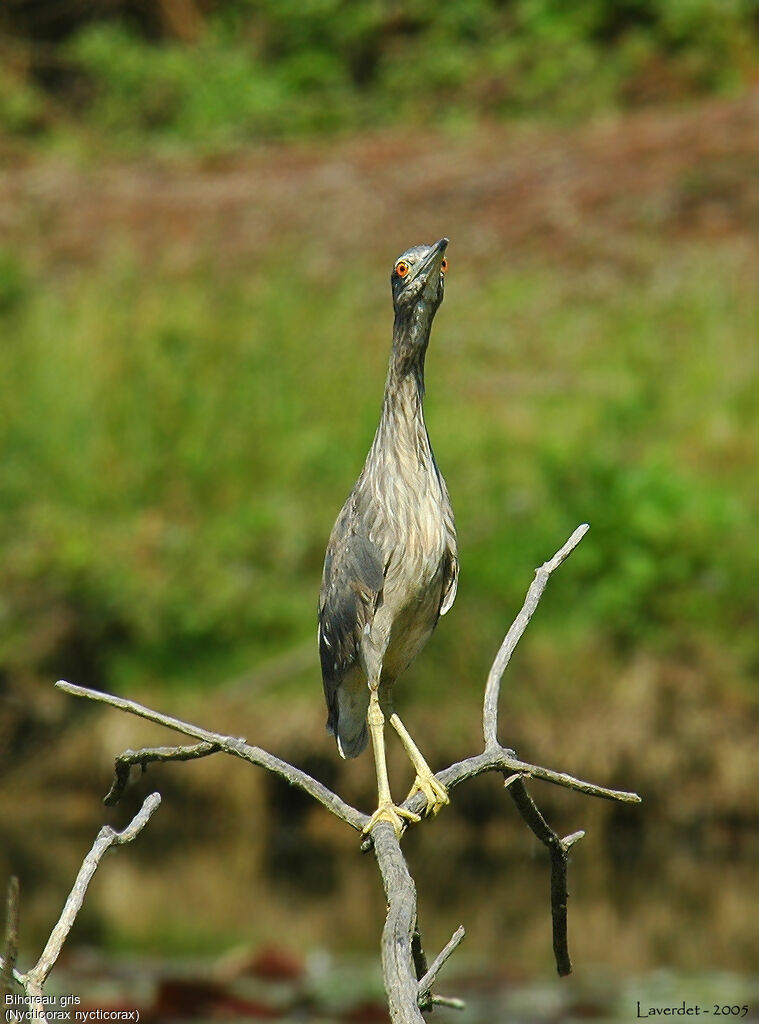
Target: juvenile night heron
391	566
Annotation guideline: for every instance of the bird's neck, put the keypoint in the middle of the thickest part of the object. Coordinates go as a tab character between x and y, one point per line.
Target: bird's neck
405	375
402	422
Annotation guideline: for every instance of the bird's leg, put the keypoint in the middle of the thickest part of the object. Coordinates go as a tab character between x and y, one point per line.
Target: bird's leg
435	792
386	809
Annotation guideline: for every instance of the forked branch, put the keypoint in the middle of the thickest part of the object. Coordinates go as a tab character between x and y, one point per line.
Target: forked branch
514	635
407	980
33	980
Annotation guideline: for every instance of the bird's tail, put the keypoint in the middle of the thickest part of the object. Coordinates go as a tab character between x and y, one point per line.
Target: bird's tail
348	702
351	736
351	744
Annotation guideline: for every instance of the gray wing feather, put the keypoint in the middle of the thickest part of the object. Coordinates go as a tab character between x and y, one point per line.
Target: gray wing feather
450	582
451	567
354	574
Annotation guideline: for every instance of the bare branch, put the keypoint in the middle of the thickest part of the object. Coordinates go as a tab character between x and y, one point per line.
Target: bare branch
400	924
401	951
33	981
569	841
558	851
408	980
236	747
10	945
449	1001
496	759
426	983
503	760
106	838
147	756
534	594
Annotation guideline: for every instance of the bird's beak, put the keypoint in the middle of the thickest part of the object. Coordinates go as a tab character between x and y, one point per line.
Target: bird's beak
431	262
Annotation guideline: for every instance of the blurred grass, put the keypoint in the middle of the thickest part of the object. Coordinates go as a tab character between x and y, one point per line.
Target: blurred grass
176	439
192	354
175	447
214	75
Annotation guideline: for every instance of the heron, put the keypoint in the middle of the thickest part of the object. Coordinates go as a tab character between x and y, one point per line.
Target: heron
391	566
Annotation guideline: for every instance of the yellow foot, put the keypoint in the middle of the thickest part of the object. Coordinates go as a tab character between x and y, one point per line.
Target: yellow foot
434	792
395	815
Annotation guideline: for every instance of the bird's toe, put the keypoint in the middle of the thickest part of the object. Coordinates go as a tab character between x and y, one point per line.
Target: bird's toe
394	815
434	792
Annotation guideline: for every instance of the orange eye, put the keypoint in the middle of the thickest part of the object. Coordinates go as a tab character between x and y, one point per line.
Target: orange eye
444	265
402	268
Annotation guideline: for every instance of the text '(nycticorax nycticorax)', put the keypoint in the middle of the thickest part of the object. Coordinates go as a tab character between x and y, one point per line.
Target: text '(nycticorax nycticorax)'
391	566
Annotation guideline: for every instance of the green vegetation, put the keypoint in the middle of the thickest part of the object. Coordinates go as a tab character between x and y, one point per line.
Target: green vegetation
250	69
186	406
176	445
191	366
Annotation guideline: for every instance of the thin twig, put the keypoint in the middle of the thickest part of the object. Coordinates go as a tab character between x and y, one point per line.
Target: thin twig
231	745
106	838
402	955
17	975
427	1000
558	850
10	945
449	1001
149	755
534	594
497	759
501	759
568	841
33	981
426	983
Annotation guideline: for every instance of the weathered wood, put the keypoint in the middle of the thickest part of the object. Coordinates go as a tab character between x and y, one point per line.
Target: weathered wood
398	967
402	956
33	980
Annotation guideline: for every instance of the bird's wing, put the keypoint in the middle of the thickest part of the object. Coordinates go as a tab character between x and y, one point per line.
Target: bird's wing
451	564
450	580
351	587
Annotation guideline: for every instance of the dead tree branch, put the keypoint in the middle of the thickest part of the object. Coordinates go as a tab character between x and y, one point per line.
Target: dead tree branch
408	980
33	981
517	628
558	852
124	763
495	759
10	946
425	997
218	743
400	925
515	783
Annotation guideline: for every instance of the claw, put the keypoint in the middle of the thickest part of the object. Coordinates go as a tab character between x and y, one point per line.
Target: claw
395	815
434	792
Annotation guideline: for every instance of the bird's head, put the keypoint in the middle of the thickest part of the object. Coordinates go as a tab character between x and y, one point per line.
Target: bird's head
418	280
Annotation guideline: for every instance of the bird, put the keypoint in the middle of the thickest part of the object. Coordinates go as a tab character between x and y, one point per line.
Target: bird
391	567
